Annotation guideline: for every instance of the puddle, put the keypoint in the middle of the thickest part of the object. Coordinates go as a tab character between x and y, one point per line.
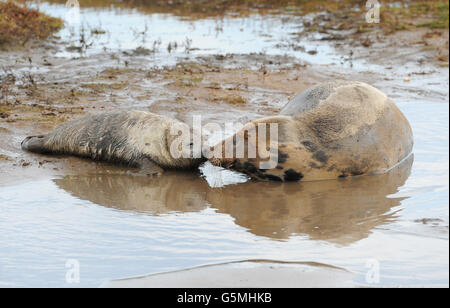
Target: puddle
127	30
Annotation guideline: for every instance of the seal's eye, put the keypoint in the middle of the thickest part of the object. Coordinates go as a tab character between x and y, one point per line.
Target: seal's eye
191	144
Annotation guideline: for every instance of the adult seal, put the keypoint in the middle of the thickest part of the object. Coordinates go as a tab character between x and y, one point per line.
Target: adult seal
332	130
134	138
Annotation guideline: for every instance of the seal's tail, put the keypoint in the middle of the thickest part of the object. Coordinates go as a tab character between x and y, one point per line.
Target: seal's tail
34	144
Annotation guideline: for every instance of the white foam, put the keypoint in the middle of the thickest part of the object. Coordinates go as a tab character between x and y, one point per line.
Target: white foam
220	177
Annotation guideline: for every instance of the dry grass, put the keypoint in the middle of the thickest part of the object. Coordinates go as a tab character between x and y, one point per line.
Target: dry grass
4	157
18	25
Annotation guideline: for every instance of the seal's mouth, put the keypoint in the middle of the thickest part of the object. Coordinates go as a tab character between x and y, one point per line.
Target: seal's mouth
215	161
226	163
220	161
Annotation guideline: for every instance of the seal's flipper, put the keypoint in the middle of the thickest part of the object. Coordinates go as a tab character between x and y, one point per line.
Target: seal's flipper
149	168
35	144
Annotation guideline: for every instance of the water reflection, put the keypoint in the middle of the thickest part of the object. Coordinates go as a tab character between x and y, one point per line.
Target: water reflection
180	192
127	29
341	211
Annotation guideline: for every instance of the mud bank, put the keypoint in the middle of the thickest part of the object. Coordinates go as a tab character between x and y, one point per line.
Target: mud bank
245	274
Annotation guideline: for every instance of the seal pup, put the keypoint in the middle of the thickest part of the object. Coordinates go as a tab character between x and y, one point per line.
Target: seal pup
133	138
333	130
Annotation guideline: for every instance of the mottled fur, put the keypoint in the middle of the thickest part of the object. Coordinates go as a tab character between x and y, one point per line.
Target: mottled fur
133	138
335	129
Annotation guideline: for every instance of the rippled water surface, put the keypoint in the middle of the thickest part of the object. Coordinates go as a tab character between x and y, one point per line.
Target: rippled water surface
119	226
129	29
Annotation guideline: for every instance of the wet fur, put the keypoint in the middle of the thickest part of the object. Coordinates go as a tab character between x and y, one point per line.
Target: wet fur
133	138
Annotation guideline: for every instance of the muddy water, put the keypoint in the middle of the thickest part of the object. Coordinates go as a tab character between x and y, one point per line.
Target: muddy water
127	30
119	225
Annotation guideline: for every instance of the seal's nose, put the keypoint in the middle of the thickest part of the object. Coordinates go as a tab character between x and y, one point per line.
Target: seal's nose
215	161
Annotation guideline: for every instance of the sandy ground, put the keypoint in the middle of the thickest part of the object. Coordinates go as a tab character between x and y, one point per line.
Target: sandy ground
245	274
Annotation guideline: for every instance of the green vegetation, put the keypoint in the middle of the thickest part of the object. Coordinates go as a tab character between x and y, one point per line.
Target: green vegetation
19	24
441	17
405	15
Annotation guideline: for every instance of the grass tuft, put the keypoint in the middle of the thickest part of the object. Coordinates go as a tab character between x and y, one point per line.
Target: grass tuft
18	25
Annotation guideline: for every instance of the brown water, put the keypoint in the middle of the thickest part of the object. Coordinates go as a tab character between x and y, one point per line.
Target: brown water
119	225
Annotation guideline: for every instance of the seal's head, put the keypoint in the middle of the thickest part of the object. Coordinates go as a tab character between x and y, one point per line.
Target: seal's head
264	149
184	146
251	150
